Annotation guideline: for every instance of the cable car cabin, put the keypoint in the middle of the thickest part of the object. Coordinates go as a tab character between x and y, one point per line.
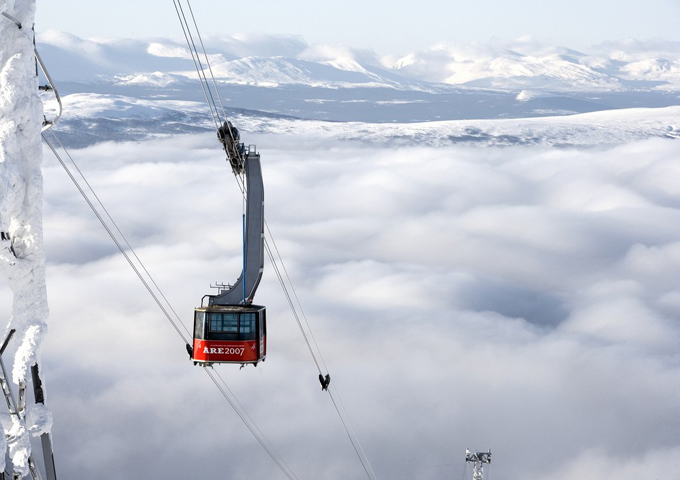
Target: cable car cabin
230	334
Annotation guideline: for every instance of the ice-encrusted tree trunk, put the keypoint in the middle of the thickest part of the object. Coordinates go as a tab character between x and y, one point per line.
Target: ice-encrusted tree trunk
22	257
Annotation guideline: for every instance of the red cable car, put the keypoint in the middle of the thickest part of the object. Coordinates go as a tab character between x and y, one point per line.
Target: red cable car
231	329
230	334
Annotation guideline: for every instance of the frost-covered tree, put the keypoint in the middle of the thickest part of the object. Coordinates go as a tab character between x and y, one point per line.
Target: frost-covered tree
22	258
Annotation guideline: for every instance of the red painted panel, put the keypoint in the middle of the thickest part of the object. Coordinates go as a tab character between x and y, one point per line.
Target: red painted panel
244	351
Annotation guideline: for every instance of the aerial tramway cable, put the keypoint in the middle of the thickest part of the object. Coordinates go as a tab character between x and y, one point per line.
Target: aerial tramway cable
207	61
110	231
245	418
339	407
193	50
316	356
224	389
197	63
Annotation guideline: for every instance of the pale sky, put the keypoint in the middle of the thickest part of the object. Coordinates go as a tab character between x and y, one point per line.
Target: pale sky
386	26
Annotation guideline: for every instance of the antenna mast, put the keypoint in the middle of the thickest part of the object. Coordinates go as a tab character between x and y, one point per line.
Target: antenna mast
478	459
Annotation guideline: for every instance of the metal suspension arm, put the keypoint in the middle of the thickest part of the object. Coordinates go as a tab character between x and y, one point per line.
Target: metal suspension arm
243	291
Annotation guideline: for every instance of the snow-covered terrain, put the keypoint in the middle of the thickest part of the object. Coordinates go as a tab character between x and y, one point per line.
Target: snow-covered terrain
93	118
286	76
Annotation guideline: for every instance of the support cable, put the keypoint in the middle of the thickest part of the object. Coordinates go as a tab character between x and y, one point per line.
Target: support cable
199	68
251	426
290	303
352	434
297	300
120	233
289	299
236	405
113	237
207	61
201	71
339	406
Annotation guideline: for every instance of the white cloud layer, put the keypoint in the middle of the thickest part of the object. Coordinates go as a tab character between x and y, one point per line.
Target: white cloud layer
522	299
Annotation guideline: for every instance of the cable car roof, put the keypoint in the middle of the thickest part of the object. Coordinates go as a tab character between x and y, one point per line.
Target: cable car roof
230	308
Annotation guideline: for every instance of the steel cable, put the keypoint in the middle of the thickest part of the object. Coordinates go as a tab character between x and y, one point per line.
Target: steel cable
257	433
132	250
207	61
250	424
113	237
199	68
339	407
193	50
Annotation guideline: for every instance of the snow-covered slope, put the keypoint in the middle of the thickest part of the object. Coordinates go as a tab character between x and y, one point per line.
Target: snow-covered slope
270	65
275	71
91	118
588	129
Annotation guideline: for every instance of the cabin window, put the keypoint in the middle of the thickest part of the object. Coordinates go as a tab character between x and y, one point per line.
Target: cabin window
224	323
198	324
232	326
248	323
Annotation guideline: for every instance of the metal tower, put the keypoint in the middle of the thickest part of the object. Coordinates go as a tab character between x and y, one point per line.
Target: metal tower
478	459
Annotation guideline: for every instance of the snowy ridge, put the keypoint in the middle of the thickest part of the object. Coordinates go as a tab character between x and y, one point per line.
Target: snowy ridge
666	72
528	65
589	129
275	71
91	118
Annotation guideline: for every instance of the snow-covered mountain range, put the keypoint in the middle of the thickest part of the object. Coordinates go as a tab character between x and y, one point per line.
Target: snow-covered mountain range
273	61
129	89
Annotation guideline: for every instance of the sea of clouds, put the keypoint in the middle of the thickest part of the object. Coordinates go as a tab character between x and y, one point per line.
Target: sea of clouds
523	299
